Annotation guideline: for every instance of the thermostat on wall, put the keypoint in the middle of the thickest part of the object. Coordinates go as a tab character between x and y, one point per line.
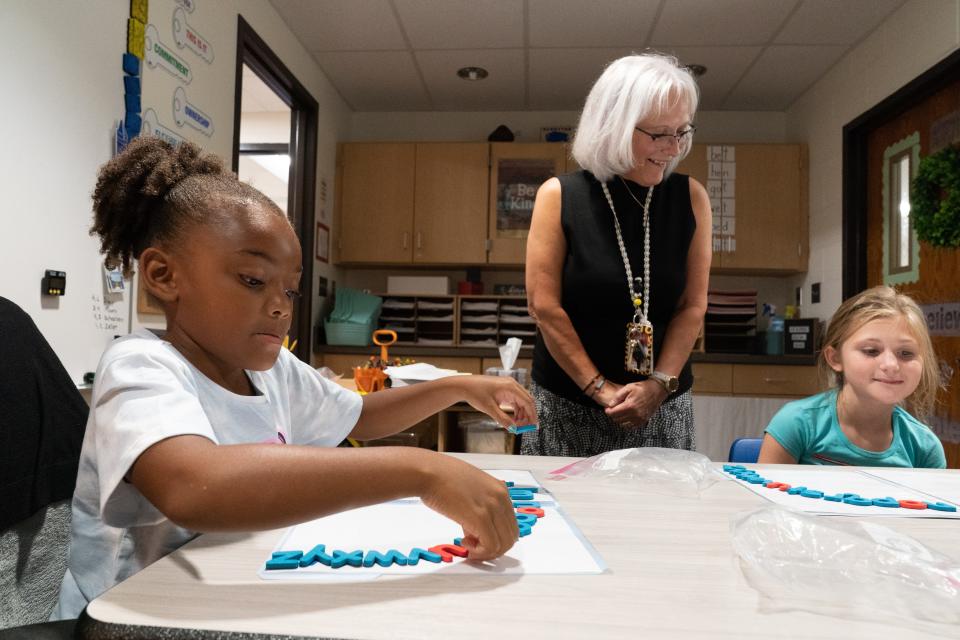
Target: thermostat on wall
54	283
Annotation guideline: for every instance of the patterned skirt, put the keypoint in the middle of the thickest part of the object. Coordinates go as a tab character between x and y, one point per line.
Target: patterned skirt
571	429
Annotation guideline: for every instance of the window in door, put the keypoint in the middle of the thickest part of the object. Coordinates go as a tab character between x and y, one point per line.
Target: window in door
901	252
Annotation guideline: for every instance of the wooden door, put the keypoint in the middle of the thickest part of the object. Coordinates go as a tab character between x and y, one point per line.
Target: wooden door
375	220
771	209
937	283
517	171
450	203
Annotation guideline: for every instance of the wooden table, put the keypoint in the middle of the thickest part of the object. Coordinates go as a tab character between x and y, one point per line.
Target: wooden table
672	574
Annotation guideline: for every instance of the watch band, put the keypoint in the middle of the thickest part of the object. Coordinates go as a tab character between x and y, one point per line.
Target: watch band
668	382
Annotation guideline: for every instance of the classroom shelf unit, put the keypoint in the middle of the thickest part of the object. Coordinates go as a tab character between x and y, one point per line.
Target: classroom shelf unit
467	321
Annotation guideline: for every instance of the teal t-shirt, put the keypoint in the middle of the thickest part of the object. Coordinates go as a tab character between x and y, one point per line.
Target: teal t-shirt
810	432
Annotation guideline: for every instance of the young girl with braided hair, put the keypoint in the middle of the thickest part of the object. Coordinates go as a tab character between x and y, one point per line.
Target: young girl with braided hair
214	426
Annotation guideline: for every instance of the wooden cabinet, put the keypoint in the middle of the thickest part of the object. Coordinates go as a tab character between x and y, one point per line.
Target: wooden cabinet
412	203
516	172
450	203
766	213
375	203
755	380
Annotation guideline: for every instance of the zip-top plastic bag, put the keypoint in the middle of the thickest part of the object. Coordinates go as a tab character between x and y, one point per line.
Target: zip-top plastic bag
674	472
845	568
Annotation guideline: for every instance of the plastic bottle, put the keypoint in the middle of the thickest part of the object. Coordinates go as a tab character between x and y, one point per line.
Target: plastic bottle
775	336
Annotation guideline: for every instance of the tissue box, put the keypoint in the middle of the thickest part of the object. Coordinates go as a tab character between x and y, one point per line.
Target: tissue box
418	285
520	375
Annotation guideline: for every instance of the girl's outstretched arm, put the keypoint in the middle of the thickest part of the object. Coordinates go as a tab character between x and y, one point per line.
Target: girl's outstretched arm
207	487
386	412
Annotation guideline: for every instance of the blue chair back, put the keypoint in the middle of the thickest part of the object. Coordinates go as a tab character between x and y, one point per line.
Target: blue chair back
745	449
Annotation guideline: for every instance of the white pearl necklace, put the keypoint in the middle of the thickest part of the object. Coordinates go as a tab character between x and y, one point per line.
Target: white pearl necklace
640	313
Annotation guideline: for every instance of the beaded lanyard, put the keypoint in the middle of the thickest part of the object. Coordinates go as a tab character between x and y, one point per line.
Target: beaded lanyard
638	356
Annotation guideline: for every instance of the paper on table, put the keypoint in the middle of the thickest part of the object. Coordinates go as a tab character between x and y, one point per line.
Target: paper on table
554	547
833	481
420	371
946	487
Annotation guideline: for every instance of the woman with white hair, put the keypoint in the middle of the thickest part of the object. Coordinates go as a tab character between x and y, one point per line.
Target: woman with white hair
618	260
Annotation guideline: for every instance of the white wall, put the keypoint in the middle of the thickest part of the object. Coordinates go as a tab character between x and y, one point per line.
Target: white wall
712	126
63	95
910	41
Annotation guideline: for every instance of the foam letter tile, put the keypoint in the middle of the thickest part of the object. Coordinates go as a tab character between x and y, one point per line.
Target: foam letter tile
384	559
284	560
857	501
352	558
784	486
447	551
941	506
317	554
795	490
531	510
811	493
525	529
525	503
416	554
525	518
835	498
888	502
520	494
913	504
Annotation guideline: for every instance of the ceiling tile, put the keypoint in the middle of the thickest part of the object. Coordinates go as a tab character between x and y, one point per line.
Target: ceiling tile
600	23
781	74
831	22
342	25
502	90
730	22
725	66
561	78
462	24
375	80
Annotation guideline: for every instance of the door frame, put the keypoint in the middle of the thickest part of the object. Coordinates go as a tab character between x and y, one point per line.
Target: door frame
304	110
855	167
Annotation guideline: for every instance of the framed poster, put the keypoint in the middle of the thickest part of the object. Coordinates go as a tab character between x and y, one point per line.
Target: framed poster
323	242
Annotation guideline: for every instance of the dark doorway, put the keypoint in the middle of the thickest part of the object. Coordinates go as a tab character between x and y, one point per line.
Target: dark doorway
254	54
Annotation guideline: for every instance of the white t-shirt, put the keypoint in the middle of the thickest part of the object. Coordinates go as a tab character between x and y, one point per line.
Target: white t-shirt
146	391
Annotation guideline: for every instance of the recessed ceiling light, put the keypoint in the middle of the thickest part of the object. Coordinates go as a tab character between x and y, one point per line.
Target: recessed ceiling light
472	73
696	69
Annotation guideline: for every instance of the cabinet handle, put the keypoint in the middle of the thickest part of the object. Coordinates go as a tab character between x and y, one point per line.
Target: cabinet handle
775	380
404	240
419	240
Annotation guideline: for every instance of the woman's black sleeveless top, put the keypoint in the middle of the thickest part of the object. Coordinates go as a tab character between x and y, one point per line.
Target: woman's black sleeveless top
594	290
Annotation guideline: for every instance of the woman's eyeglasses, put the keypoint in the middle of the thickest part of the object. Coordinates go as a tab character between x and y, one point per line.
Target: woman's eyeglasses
663	139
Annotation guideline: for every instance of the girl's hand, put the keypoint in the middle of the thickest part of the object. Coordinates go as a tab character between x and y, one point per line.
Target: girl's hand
633	404
489	393
477	501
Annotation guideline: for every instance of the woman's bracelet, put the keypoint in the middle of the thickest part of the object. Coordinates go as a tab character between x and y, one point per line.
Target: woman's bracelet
592	380
596	388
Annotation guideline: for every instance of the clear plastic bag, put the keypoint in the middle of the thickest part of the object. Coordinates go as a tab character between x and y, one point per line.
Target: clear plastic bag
845	568
675	472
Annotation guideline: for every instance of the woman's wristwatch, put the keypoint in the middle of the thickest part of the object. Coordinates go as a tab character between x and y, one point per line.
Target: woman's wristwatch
670	383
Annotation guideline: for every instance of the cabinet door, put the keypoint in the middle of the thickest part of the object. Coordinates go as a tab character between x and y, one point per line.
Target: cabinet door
775	380
695	165
771	209
571	164
450	211
517	171
376	203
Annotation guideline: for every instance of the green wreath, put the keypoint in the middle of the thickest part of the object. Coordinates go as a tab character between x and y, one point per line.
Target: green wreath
935	199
